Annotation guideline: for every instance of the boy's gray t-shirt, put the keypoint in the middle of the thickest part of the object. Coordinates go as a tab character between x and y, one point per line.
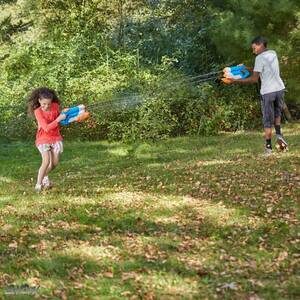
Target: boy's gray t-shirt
266	63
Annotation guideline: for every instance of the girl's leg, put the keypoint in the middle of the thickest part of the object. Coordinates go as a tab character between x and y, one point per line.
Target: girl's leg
54	159
50	166
44	166
54	156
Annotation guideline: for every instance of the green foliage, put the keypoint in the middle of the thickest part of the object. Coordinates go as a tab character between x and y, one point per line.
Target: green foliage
235	23
239	21
97	51
217	109
188	109
153	120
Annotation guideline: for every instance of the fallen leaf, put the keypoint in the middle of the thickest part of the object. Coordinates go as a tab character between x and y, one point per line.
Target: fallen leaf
108	275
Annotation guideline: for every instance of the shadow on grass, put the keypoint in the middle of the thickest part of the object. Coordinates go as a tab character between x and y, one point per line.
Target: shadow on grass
157	249
237	201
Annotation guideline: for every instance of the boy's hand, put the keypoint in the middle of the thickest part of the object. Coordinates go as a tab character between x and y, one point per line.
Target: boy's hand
228	80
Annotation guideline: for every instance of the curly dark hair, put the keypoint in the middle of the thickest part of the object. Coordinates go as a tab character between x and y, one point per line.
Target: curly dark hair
40	93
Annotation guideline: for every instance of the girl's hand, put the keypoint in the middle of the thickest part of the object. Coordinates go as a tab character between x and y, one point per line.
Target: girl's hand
61	117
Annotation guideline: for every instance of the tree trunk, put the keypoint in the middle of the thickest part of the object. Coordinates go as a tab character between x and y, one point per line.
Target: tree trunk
286	111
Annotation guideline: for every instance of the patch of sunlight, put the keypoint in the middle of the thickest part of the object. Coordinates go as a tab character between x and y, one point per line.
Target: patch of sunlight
208	149
217	213
171	284
135	244
220	214
166	206
50	284
126	198
166	210
291	130
166	202
235	133
118	151
179	151
149	155
25	207
80	200
146	148
289	154
199	163
85	250
145	156
238	151
194	259
214	162
5	179
6	198
154	165
146	151
167	219
144	201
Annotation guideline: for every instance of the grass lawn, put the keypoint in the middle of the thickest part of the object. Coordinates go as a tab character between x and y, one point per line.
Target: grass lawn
184	218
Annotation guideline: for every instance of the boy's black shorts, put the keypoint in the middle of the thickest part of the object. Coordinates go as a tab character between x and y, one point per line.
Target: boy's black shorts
271	106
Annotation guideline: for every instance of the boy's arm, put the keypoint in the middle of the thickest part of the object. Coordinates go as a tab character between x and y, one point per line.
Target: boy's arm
252	79
258	68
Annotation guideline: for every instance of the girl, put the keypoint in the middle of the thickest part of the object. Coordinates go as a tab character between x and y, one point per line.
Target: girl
44	104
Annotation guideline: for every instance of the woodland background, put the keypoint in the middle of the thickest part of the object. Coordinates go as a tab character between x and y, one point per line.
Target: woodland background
103	51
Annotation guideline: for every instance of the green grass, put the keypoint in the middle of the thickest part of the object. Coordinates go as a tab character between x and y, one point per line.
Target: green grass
185	218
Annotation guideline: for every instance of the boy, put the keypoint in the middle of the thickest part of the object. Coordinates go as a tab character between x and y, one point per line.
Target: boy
272	90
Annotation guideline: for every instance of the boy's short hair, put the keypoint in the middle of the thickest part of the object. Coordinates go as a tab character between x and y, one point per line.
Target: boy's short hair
260	40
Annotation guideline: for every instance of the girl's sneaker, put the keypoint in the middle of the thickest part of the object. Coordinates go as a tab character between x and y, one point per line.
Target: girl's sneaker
38	188
46	182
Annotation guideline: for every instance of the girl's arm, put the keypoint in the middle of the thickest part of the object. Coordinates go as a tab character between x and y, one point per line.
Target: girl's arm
43	123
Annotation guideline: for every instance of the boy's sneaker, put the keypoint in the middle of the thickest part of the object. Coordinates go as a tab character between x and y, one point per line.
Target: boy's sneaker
46	182
268	151
281	144
38	188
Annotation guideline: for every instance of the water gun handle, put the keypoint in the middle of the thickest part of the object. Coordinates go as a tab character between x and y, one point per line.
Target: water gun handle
235	72
74	114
